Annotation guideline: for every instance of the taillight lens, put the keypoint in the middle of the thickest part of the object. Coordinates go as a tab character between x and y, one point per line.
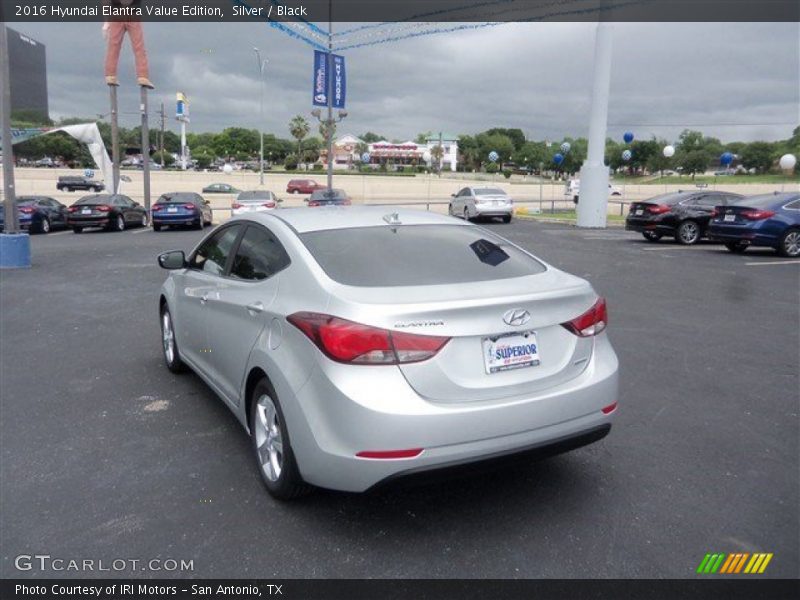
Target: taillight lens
72	208
157	207
757	215
236	206
714	212
590	323
313	203
659	209
188	206
27	210
348	342
103	208
269	204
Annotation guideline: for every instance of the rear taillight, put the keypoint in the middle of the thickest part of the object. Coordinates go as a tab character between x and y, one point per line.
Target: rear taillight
659	209
348	342
103	208
236	206
269	204
346	202
714	212
757	215
313	203
157	207
590	323
72	208
27	210
189	206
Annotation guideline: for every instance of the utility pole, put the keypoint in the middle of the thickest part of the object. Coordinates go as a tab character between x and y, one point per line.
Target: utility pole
114	138
163	116
262	63
10	206
329	130
145	150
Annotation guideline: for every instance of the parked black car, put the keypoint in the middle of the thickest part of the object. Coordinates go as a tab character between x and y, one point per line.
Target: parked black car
114	212
38	214
71	183
682	215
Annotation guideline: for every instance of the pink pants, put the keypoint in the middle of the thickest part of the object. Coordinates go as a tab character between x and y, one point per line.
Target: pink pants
116	32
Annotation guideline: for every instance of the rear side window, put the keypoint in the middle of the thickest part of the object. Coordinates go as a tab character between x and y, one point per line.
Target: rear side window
793	205
416	255
259	255
212	255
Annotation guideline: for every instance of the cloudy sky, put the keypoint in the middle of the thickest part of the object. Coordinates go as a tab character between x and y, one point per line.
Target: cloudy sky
736	81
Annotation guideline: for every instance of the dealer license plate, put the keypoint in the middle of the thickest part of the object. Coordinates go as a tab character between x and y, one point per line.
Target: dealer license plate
639	212
86	211
510	352
730	218
172	210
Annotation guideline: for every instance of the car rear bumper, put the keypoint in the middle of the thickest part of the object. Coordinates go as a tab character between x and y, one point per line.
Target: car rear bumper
174	219
643	225
494	211
88	222
336	415
749	235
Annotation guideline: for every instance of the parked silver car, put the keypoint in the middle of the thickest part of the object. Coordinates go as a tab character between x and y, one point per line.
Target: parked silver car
472	202
357	346
254	201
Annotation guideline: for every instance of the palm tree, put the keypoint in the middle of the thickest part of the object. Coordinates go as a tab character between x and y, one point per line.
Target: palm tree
299	129
436	157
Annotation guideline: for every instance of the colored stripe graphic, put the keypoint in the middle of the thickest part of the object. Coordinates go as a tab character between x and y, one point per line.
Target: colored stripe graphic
734	563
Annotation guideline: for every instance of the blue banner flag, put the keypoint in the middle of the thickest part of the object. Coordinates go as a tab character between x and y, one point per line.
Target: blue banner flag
339	81
321	82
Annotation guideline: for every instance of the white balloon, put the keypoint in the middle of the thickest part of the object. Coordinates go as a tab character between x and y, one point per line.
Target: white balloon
669	151
227	169
788	161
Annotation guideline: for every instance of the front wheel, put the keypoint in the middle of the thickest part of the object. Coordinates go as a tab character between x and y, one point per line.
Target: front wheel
790	244
270	441
169	344
466	214
688	233
736	247
651	236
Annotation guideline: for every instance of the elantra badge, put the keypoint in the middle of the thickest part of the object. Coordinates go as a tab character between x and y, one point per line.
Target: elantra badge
516	317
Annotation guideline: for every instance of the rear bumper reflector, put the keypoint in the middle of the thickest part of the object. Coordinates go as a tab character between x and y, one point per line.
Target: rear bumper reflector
390	454
609	409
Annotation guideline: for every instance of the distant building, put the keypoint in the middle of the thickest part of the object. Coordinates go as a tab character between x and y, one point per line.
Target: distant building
28	66
393	154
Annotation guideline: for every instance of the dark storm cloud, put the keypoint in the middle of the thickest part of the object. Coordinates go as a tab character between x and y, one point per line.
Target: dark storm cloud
735	81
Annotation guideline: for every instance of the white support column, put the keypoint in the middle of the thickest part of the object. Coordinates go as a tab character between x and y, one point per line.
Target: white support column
593	204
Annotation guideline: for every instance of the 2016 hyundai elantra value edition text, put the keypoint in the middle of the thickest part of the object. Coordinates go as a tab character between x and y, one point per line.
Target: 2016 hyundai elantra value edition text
357	346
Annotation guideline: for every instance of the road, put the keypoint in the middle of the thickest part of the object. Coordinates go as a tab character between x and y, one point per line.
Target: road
107	455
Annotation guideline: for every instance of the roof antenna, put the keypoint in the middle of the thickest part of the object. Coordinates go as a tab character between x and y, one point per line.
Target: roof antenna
392	219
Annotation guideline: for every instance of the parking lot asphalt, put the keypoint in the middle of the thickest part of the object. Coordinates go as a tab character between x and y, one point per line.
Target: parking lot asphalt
107	455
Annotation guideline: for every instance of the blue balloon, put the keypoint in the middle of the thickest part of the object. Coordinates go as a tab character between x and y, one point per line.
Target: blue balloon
88	173
493	156
726	158
628	137
627	155
558	158
365	157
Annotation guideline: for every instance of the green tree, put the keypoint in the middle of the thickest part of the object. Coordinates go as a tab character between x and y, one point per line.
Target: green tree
371	138
759	156
236	140
531	155
169	160
436	157
515	135
299	128
497	142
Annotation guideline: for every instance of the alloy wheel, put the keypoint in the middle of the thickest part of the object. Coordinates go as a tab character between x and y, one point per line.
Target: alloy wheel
120	223
269	438
168	337
791	244
45	225
689	232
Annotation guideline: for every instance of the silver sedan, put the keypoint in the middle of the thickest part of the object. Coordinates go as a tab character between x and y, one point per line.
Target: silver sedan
357	346
473	202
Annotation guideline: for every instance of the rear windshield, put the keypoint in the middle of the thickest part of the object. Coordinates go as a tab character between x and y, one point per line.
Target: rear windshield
489	192
177	198
416	255
671	198
98	199
328	195
761	201
245	196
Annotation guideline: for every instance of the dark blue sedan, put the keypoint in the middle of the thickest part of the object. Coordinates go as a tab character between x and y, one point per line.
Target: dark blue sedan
38	214
181	208
771	220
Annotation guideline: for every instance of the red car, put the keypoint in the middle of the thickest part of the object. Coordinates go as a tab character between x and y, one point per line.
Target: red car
303	186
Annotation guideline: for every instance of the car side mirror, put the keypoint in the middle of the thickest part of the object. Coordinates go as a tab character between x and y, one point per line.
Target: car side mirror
452	195
305	199
279	199
174	259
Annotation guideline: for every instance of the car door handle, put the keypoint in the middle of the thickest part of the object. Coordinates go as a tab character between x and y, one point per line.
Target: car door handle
256	307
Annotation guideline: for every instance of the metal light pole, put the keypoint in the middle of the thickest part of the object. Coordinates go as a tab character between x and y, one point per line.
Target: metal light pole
10	206
143	105
329	129
262	64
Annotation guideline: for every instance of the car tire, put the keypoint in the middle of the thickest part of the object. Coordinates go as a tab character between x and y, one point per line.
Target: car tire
118	224
295	192
169	343
651	236
156	227
789	244
466	214
736	247
77	229
44	225
688	233
506	218
450	210
271	446
145	220
199	224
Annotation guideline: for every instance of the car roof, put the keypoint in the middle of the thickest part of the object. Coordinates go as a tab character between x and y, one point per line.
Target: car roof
305	219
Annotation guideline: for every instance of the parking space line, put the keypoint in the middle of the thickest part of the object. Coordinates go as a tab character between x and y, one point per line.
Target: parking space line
772	262
670	248
142	230
51	234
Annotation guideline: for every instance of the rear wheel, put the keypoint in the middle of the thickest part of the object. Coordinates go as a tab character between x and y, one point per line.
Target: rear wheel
506	218
199	223
156	227
651	236
790	244
737	247
466	214
688	233
169	344
118	224
145	220
77	229
273	452
44	225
